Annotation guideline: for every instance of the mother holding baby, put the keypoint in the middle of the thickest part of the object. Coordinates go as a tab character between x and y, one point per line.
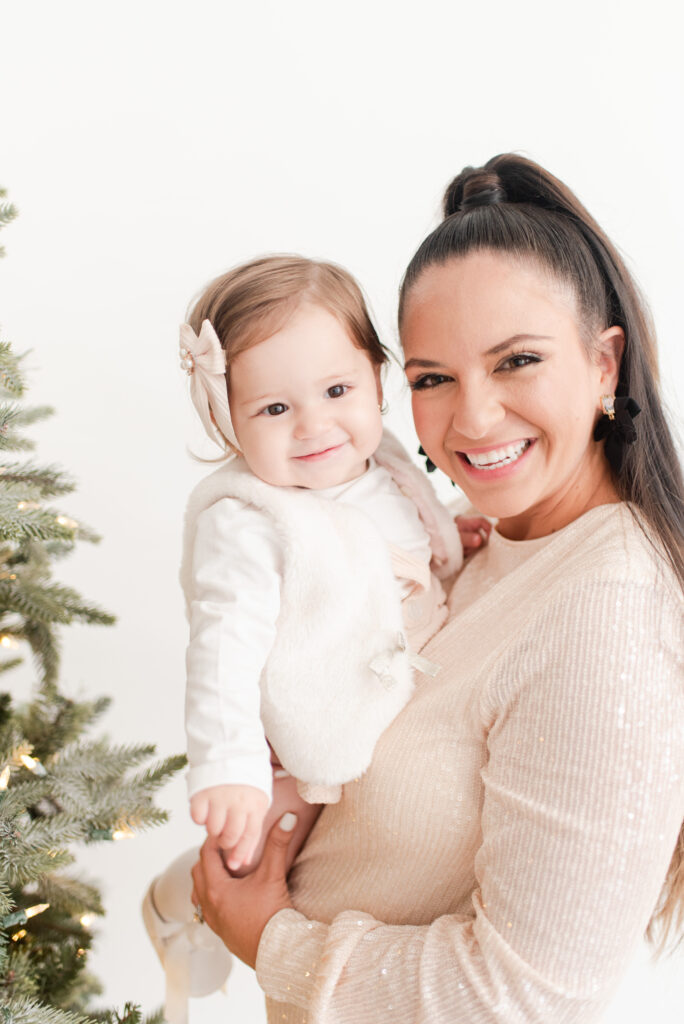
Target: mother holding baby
520	825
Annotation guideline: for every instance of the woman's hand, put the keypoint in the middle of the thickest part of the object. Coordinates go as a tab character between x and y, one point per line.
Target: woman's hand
238	909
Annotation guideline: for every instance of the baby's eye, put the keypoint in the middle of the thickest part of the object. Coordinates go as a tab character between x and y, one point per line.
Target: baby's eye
428	381
337	390
519	359
277	409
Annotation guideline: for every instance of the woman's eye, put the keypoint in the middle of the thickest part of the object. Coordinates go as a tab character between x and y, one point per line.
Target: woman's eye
337	390
427	381
277	409
514	362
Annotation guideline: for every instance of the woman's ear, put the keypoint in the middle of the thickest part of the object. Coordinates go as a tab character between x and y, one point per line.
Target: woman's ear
610	345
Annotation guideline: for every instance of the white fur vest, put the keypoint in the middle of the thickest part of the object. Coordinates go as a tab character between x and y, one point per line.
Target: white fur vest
339	671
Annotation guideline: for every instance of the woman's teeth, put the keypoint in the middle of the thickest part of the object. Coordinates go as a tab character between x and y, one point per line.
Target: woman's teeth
497	457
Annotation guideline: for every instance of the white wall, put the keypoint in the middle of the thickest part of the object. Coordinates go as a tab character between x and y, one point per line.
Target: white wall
151	145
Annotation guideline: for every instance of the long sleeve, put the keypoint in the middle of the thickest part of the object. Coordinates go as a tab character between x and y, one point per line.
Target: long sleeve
233	611
582	718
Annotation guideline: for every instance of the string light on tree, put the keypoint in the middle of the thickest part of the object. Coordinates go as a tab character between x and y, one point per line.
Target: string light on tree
70	524
22	916
111	834
123	832
33	764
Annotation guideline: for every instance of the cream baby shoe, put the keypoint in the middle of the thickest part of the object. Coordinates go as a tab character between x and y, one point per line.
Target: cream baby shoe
195	960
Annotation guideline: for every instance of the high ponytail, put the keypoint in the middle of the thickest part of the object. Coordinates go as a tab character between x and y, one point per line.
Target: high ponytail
512	205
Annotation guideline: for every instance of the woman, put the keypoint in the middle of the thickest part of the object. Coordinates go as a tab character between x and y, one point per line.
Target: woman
519	827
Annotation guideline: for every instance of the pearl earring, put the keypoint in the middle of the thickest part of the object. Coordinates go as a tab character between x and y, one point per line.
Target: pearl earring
608	406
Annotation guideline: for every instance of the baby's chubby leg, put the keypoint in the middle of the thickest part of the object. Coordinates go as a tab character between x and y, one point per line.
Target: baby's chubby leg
285	798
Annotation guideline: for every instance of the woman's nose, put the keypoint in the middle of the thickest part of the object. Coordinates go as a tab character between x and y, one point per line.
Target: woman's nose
477	412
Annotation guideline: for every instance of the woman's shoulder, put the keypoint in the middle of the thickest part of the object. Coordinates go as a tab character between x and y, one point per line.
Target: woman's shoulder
600	594
615	544
607	555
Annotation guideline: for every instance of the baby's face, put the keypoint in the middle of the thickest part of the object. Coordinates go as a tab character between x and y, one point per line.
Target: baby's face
305	404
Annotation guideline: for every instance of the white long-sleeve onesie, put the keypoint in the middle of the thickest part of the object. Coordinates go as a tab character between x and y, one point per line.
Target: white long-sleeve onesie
237	570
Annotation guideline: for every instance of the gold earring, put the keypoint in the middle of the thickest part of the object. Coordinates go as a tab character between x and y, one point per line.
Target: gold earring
608	406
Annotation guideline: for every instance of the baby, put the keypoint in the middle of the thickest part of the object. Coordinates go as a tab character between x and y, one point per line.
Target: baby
312	559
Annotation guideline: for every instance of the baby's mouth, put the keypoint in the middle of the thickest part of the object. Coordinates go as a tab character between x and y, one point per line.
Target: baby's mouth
495	458
319	453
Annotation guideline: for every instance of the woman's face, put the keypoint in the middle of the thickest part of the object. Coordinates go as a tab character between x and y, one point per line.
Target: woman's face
505	395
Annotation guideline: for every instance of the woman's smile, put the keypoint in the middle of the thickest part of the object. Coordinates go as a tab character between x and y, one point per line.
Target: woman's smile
497	457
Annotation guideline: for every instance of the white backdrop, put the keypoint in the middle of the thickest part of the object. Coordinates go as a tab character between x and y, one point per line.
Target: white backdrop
150	146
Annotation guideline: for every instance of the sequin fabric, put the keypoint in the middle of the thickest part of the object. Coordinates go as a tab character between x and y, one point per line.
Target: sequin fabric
500	859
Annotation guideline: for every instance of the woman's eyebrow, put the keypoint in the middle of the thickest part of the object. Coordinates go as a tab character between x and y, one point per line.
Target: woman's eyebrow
514	339
494	351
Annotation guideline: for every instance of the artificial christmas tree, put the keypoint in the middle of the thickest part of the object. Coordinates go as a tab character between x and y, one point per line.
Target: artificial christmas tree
57	788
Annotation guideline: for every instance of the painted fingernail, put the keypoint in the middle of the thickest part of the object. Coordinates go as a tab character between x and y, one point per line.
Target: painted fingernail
288	821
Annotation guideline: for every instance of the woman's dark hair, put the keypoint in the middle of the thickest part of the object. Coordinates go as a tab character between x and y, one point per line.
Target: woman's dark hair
512	205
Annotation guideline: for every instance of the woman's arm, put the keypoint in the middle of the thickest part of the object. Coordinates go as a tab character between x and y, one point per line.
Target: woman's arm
583	802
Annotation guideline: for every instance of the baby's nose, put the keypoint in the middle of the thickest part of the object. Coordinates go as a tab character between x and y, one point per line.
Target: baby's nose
311	421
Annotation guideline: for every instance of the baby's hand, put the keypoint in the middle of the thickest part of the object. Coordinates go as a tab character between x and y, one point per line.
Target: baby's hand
474	531
234	815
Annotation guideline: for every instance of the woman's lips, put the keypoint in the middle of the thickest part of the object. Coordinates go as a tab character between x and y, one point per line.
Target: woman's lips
496	461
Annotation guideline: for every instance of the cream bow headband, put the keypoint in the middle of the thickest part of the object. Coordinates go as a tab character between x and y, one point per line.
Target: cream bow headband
204	361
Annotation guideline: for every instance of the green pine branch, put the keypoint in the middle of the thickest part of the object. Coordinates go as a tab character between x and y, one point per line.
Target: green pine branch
11	377
99	762
52	722
22	524
70	896
45	647
24	793
6	900
28	1011
34	414
45	481
156	776
21	864
48	603
131	1015
8	212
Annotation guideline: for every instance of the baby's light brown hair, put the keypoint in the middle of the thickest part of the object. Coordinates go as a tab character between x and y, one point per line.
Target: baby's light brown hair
253	301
